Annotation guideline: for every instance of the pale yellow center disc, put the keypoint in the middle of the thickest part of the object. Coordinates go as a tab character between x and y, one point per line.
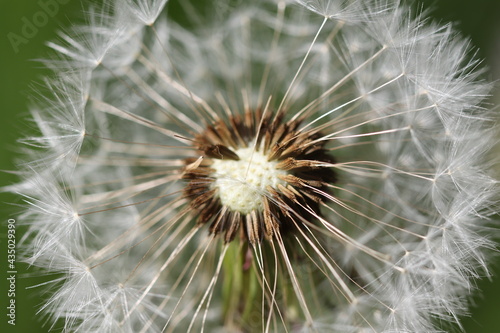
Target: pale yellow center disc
242	184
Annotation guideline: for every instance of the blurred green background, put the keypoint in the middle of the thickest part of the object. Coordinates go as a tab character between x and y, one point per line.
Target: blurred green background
479	19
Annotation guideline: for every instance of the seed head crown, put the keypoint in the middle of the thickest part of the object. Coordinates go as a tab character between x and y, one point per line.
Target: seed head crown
258	172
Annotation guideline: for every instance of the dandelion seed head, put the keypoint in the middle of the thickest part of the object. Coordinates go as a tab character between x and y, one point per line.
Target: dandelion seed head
274	166
269	168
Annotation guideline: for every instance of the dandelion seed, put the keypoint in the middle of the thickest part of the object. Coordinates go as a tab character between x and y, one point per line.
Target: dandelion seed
274	166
